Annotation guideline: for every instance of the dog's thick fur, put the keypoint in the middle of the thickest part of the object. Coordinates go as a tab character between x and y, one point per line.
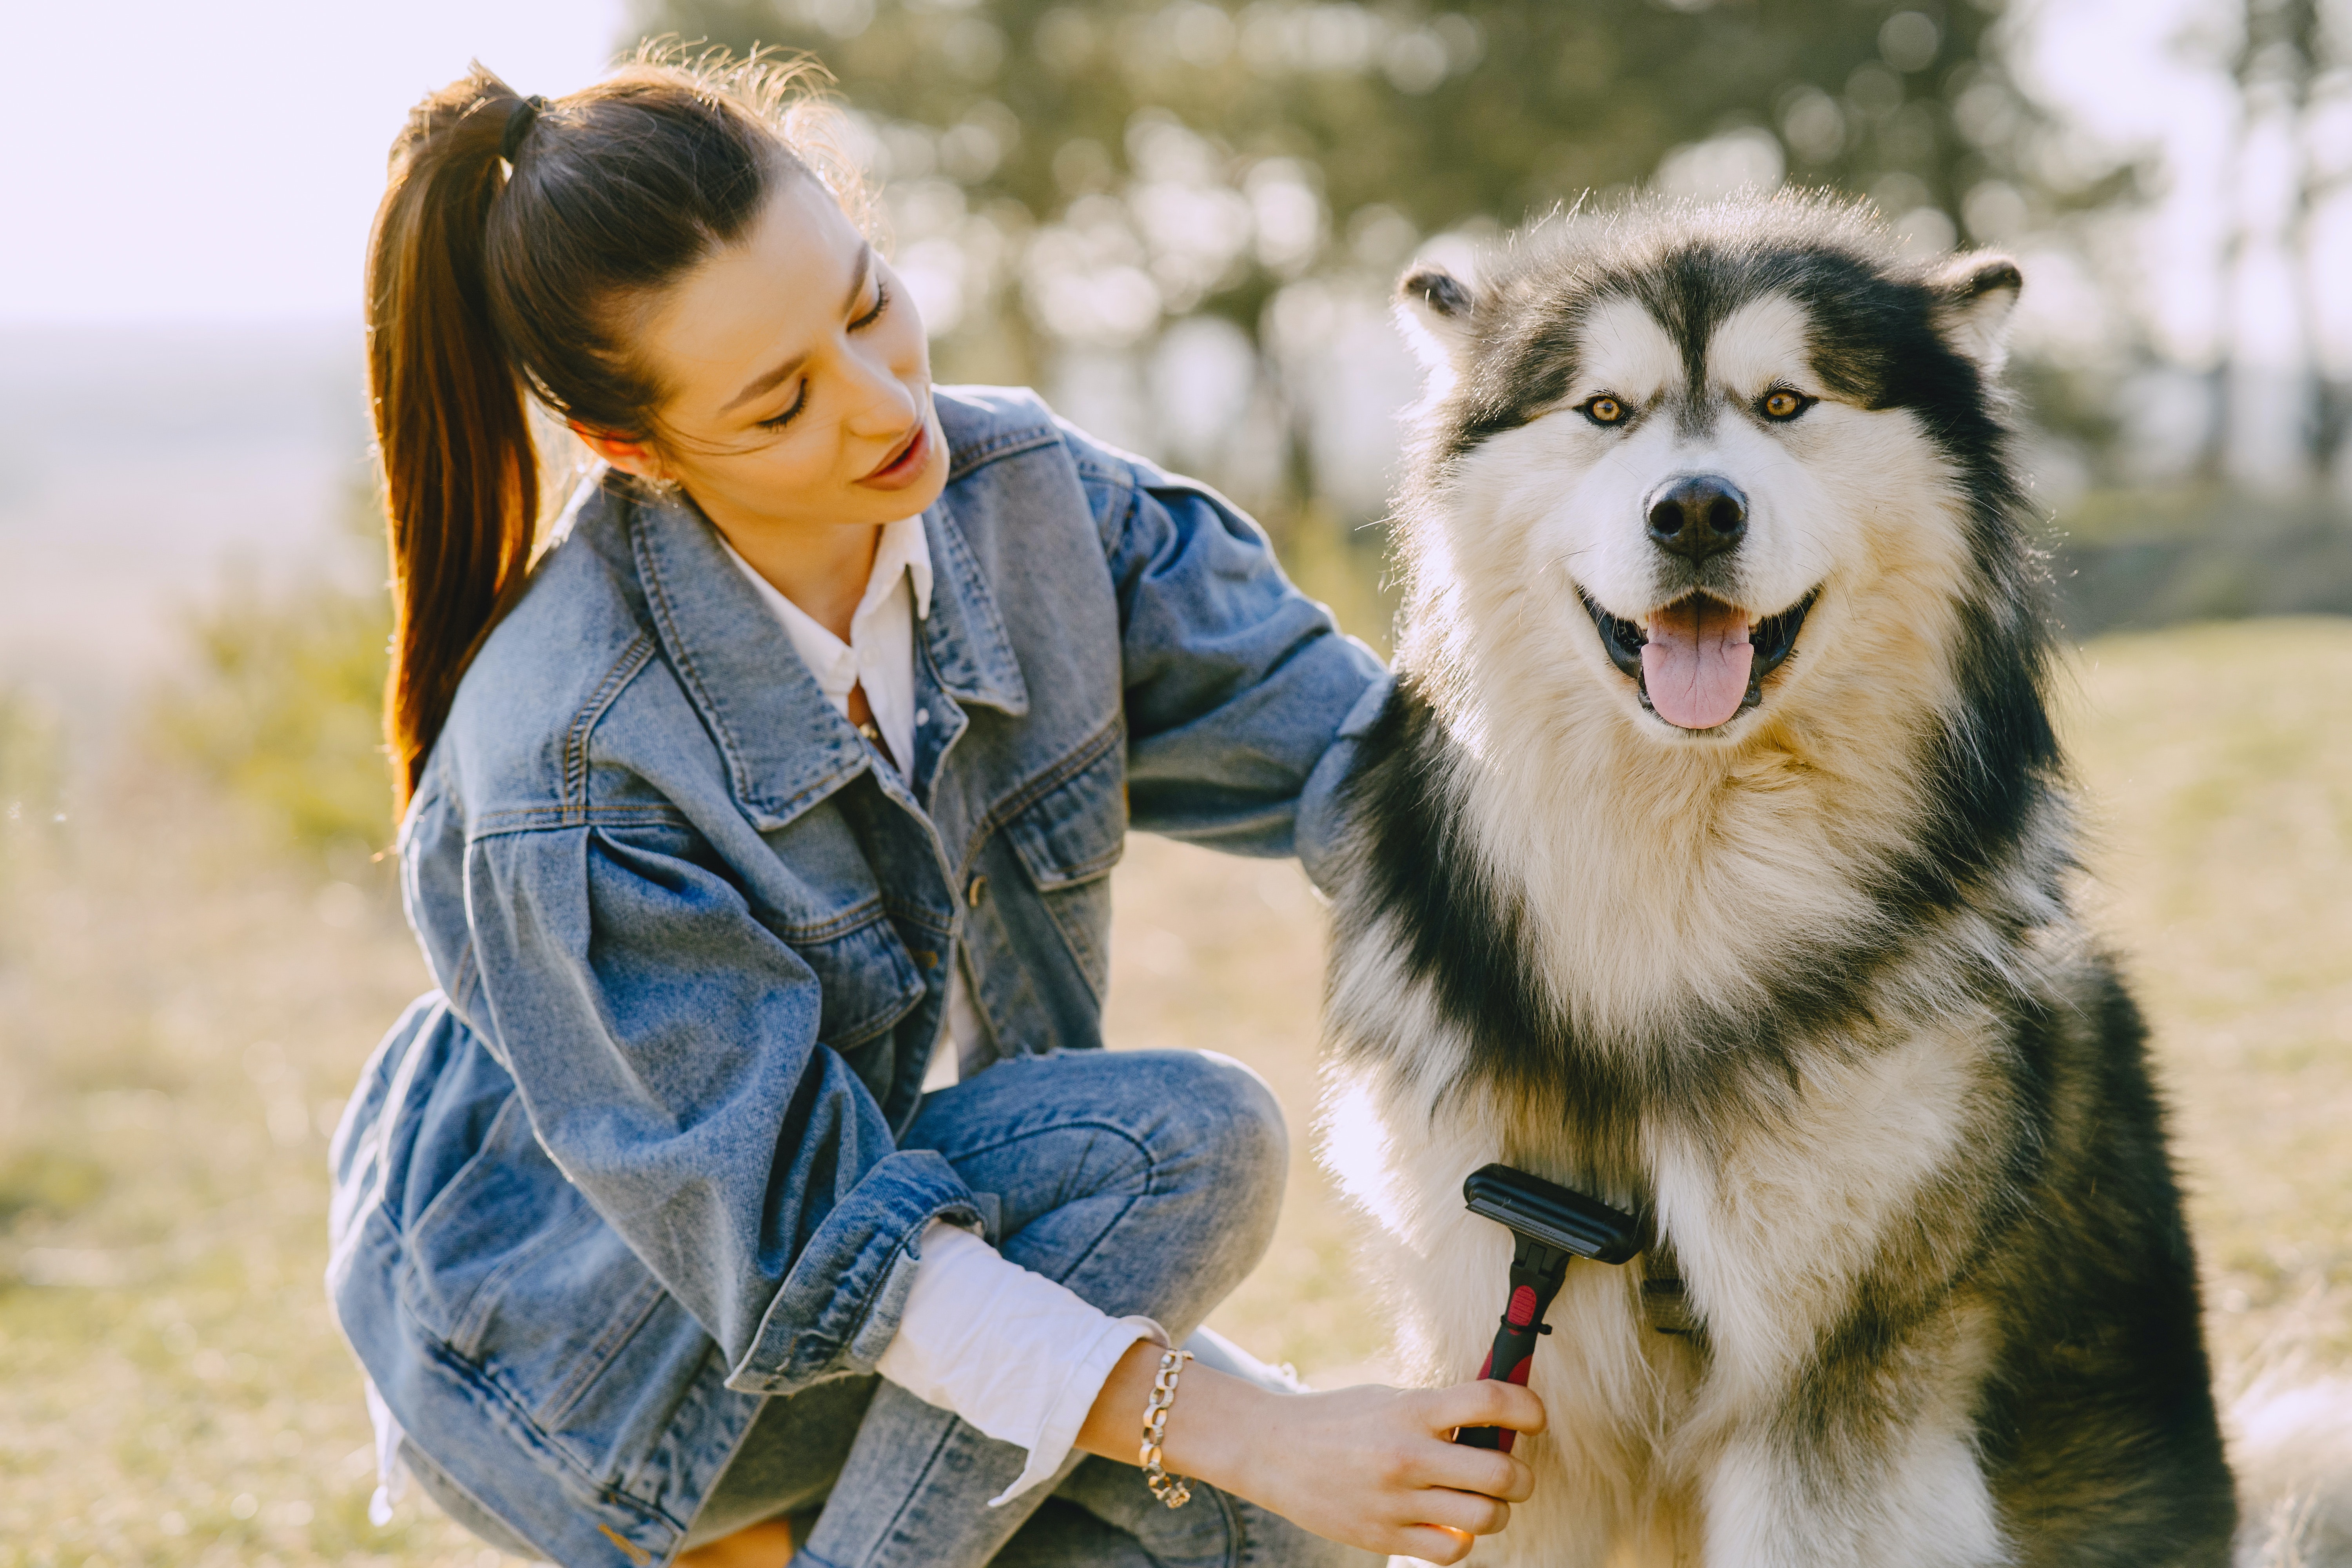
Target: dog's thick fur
1804	990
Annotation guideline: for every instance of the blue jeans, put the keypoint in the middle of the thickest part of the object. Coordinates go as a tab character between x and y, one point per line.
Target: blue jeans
1145	1181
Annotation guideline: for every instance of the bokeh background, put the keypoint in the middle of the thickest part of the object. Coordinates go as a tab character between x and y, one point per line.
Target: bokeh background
1180	219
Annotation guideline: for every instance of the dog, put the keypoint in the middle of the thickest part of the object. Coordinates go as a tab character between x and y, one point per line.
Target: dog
1713	854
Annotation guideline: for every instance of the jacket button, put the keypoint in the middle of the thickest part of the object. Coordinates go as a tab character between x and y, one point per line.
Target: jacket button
976	892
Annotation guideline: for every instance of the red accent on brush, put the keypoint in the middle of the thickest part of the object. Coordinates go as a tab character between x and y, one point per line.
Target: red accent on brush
1523	1306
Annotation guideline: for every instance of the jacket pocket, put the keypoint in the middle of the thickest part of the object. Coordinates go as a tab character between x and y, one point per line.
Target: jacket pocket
1067	840
499	1213
513	1271
818	898
867	980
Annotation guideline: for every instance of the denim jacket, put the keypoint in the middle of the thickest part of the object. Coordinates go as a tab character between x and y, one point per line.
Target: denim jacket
634	1164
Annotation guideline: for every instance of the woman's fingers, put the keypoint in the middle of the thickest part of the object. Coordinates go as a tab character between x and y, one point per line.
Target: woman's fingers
1470	1511
1486	1403
1447	1524
1433	1543
1375	1467
1484	1471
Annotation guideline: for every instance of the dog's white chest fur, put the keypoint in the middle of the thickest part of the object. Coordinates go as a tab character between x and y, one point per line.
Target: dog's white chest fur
1643	1462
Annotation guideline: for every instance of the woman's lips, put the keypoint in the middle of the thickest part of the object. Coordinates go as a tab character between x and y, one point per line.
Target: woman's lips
905	465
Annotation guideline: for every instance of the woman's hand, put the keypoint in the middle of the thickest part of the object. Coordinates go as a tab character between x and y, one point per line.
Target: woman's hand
1369	1467
1377	1467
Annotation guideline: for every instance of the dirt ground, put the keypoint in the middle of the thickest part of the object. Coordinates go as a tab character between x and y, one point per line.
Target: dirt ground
181	1012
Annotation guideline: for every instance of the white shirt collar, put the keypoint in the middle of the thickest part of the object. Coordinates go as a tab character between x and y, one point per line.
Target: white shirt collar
904	543
902	552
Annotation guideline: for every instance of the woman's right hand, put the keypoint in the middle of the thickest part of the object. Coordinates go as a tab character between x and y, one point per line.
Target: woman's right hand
1377	1467
1369	1467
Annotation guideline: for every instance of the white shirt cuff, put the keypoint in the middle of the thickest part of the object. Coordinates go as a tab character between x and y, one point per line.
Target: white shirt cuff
1016	1354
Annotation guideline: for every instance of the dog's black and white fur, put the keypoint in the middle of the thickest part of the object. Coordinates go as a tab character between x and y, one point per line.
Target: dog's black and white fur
1801	987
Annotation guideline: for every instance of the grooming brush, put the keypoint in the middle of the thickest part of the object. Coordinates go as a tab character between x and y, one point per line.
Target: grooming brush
1550	1226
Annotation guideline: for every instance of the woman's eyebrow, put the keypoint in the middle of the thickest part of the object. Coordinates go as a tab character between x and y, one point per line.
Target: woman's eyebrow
772	379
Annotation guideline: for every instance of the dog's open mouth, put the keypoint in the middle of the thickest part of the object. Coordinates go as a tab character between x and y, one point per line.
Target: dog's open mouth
1699	663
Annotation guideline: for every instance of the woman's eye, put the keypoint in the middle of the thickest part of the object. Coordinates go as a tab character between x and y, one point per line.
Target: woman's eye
1782	404
789	414
881	303
1604	410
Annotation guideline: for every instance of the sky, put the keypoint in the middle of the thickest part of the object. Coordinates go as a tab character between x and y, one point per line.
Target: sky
220	163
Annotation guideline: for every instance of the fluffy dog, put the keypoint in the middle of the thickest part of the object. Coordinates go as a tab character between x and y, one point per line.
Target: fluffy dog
1714	857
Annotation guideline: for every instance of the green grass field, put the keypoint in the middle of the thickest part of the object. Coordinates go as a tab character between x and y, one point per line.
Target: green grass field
181	1007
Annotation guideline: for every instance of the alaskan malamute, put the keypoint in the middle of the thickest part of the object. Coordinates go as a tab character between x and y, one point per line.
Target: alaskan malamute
1714	857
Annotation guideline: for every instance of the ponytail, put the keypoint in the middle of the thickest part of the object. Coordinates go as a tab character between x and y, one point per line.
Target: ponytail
508	255
461	475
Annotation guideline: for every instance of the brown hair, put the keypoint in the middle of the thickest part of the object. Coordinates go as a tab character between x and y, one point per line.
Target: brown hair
490	281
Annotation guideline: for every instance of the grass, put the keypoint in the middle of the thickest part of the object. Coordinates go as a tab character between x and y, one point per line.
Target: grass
183	1002
2219	766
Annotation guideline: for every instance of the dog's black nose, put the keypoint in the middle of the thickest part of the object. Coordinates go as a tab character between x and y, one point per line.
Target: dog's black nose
1698	516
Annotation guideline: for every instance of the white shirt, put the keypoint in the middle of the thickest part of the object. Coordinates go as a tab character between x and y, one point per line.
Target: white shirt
880	656
880	652
1018	1355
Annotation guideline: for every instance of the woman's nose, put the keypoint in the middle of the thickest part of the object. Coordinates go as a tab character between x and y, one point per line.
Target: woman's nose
886	404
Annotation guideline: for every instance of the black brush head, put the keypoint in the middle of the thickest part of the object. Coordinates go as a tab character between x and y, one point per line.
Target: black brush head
1546	1211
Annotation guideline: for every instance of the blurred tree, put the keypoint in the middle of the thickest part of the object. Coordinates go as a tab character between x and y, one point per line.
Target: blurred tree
1067	180
1489	111
2279	417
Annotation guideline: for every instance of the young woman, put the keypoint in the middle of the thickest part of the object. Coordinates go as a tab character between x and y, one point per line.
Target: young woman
794	769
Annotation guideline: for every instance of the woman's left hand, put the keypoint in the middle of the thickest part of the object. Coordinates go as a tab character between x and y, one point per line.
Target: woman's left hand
1369	1467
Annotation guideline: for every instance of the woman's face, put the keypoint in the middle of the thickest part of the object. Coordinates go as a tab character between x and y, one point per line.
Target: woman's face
799	380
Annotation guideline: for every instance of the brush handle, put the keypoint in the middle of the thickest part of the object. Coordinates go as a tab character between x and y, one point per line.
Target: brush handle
1513	1352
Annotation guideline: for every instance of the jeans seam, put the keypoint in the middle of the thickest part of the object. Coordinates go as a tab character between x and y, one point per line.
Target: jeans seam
892	1535
1151	1181
1096	1244
1237	1540
1152	1166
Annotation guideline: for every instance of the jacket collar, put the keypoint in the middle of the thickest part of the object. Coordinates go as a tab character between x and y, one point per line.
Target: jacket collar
785	747
970	648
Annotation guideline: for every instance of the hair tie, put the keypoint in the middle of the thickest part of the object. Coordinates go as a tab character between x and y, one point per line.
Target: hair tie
519	124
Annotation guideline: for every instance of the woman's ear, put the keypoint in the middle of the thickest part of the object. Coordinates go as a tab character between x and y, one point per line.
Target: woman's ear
630	457
1974	296
1432	310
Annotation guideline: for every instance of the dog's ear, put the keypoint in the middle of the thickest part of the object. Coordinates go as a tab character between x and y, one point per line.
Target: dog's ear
1974	296
1432	310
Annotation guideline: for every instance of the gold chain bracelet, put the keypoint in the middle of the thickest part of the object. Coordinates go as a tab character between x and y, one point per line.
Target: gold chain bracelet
1173	1490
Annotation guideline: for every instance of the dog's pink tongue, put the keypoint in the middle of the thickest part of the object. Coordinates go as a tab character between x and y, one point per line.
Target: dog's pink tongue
1696	663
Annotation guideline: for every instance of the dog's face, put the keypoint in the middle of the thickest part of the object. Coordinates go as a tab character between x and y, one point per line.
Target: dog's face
1713	456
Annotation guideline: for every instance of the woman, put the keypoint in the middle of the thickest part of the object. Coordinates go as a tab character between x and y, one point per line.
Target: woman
795	768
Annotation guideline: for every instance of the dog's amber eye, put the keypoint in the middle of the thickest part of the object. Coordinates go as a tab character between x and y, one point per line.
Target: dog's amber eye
1782	404
1604	410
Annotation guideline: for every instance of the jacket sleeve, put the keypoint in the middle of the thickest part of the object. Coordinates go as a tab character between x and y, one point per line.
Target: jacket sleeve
664	1041
1236	683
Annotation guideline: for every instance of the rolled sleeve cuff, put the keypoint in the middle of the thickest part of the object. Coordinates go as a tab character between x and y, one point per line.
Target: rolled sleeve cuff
1088	1370
1322	819
1021	1357
839	1305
